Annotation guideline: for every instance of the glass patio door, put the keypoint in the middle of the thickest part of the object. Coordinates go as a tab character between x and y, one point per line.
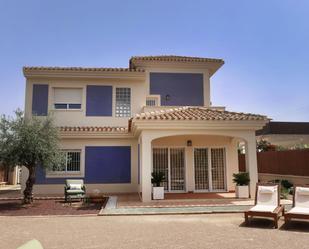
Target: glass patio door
201	169
160	163
218	169
177	169
209	169
171	161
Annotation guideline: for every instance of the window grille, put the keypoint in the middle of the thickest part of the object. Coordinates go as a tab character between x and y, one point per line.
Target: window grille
72	162
201	169
152	101
160	163
218	168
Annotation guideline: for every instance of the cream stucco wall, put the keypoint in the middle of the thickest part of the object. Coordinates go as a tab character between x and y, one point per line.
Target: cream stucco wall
139	91
197	140
78	117
80	144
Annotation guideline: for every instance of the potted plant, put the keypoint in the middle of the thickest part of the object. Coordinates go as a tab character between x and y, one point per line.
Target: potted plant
242	184
157	189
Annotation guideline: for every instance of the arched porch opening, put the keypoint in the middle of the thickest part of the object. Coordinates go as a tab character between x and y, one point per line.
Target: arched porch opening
194	161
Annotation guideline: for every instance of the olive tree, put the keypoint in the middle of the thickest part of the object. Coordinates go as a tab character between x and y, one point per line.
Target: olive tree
31	143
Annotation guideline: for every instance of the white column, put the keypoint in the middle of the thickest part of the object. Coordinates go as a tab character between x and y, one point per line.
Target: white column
145	154
251	163
232	163
190	186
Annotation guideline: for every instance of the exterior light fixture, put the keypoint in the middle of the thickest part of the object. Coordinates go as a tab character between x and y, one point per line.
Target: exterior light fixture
189	143
168	97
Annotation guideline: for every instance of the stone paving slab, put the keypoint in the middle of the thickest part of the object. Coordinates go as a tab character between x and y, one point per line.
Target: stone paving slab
112	209
177	210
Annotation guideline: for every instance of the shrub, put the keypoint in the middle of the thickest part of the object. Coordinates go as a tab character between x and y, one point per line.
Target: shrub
241	178
157	178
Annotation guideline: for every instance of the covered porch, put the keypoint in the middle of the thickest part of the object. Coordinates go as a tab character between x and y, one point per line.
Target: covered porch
196	148
198	162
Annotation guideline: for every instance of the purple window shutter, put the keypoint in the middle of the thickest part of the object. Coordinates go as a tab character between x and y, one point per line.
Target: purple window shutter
40	99
108	164
178	89
99	101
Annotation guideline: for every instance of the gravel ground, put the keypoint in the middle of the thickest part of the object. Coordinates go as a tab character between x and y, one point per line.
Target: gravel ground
164	231
47	207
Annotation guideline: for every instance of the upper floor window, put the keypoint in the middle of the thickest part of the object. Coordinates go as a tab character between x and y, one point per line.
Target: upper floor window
68	98
153	100
71	164
123	102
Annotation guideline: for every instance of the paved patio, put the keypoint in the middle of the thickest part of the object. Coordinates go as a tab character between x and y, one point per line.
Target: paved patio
176	231
186	199
130	204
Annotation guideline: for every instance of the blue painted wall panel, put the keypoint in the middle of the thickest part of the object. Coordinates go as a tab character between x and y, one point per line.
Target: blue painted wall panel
40	99
108	164
184	89
41	178
99	101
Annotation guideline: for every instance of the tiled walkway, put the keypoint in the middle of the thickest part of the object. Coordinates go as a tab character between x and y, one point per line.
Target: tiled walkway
177	200
130	204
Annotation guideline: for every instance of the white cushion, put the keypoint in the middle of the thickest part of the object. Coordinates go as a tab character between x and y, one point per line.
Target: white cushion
263	208
267	189
267	196
299	210
75	186
302	191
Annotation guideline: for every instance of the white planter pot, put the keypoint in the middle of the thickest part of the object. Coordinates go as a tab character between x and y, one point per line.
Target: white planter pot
242	191
158	193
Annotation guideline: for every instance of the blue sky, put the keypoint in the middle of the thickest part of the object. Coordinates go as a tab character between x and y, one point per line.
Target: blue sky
265	45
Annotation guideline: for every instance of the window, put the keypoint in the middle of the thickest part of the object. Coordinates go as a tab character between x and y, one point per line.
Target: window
150	102
71	164
68	98
153	100
123	102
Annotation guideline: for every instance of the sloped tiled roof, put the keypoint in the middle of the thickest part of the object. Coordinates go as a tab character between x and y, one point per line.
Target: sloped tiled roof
175	58
84	69
103	129
199	113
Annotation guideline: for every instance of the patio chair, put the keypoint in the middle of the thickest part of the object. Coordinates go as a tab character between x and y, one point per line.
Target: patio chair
300	208
267	203
74	188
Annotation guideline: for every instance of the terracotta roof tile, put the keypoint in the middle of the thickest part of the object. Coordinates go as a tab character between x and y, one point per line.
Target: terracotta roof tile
175	58
84	69
199	113
103	129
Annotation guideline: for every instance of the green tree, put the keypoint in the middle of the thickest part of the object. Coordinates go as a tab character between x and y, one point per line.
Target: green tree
31	143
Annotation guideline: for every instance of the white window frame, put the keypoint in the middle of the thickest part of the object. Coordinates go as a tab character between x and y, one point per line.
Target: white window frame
115	108
66	173
67	104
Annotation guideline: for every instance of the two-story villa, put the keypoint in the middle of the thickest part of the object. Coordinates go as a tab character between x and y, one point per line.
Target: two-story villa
117	125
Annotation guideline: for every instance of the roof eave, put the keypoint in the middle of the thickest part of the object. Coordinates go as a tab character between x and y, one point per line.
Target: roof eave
33	73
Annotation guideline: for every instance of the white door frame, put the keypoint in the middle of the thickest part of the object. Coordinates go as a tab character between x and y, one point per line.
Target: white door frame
210	189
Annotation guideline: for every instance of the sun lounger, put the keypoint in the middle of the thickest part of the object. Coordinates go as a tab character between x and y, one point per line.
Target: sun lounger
300	209
267	203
